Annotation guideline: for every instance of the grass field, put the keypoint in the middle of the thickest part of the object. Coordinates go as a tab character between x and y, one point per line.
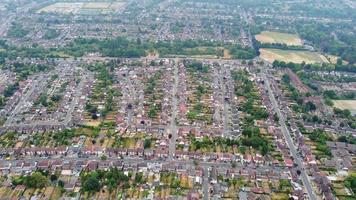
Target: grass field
281	38
292	56
61	7
96	5
82	7
333	59
346	104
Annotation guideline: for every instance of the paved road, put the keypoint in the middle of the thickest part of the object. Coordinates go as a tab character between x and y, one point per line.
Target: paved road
173	125
75	100
226	131
247	20
37	85
203	164
307	183
205	183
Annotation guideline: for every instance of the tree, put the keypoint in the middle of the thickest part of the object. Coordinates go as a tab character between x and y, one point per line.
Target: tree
53	177
329	102
152	112
330	67
61	183
299	172
350	182
51	34
92	184
264	149
284	183
330	94
43	100
310	106
147	143
339	61
342	138
2	101
138	41
56	98
36	180
103	157
94	116
286	78
139	178
192	115
275	117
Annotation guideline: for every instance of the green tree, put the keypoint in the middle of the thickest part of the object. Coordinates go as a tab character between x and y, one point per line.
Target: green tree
36	180
147	143
350	182
2	101
286	78
310	106
61	183
103	157
53	177
92	184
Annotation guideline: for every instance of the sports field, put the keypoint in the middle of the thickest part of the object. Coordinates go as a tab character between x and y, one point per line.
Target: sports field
277	37
82	7
292	56
63	8
346	104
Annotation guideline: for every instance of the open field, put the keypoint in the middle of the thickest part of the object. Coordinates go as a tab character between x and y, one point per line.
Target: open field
346	104
292	56
281	38
3	7
82	7
96	5
333	59
63	8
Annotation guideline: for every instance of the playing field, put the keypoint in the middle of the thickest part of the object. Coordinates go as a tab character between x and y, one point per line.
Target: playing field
346	104
64	8
87	8
292	56
96	5
281	38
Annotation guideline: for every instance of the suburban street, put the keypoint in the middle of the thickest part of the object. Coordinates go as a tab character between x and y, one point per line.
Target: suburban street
282	120
173	125
206	184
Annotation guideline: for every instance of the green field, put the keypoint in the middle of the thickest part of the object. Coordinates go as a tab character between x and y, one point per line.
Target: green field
294	56
281	38
346	104
83	8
